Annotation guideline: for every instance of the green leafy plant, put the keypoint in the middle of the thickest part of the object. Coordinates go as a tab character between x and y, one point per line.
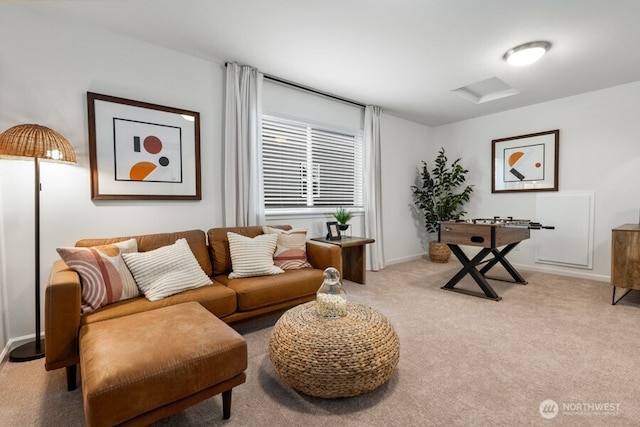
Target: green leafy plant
342	215
436	195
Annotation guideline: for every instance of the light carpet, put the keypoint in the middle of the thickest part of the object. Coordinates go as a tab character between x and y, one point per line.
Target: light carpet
464	361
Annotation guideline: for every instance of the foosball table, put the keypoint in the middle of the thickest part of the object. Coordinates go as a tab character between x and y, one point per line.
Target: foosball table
490	235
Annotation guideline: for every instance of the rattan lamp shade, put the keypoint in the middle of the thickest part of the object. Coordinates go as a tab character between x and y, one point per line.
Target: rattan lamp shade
36	141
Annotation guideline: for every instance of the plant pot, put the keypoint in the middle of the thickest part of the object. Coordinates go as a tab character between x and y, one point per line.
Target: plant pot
439	252
343	227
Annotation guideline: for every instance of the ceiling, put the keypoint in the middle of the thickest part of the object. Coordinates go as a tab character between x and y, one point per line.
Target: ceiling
406	56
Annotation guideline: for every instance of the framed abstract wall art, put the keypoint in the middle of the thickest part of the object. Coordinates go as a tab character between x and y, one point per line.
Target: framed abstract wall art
525	162
139	150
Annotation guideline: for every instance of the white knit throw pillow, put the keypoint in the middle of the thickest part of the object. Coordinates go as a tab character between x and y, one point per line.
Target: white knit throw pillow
252	256
166	271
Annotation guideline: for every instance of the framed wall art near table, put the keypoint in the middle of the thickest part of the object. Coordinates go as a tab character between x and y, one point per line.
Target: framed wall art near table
525	162
142	151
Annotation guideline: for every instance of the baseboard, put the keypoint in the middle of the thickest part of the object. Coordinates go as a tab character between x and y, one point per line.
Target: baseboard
579	274
4	353
406	259
576	274
16	342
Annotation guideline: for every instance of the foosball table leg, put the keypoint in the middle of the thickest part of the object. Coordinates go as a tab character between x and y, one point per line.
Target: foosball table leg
469	267
500	256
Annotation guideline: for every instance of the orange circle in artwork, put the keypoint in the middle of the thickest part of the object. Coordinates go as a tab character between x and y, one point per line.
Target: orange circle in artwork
152	144
538	164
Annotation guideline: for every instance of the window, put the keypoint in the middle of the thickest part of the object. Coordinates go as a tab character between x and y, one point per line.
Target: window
306	166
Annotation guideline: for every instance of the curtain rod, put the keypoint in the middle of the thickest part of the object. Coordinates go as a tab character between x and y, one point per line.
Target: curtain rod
308	89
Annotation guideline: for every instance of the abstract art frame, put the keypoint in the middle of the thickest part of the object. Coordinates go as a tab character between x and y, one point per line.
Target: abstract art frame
525	162
142	151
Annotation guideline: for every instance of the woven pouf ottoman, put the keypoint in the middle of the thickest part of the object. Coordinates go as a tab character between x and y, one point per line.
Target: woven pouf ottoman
332	358
140	368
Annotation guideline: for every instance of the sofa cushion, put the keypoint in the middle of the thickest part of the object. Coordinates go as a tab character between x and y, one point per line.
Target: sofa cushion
166	271
252	256
147	242
219	244
104	276
263	291
291	248
216	298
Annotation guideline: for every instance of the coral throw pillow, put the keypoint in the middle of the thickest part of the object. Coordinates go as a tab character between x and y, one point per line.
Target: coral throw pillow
291	248
104	276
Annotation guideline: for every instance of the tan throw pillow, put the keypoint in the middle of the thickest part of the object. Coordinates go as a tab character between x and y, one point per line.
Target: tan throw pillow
103	274
166	271
252	256
291	248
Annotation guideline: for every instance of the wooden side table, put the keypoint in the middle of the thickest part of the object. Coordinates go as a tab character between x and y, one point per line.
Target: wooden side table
354	256
625	259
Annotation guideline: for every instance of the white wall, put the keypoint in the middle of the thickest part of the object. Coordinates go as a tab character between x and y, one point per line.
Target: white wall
599	153
285	101
404	144
46	68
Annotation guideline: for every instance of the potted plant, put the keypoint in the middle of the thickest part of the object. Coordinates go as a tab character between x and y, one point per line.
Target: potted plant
343	216
439	198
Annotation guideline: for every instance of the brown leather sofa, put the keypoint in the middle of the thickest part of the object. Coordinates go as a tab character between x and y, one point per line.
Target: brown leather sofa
231	300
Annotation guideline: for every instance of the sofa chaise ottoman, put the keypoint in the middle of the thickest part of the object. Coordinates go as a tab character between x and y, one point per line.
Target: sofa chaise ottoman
143	367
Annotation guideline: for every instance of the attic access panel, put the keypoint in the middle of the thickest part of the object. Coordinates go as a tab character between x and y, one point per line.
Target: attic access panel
485	91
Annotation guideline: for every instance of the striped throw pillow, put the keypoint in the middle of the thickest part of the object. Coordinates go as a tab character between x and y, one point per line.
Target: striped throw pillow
166	271
252	256
103	274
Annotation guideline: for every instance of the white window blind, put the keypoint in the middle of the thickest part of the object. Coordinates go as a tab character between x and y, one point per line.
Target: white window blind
305	165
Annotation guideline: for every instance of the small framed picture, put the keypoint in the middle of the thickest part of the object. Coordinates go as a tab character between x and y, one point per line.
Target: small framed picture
334	231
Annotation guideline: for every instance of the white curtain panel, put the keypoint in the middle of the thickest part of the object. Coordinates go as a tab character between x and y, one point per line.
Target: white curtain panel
372	186
244	197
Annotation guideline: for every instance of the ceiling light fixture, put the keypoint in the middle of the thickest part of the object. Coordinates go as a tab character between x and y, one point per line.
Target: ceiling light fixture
527	53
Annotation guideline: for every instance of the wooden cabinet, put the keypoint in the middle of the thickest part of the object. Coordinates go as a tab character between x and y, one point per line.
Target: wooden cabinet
625	256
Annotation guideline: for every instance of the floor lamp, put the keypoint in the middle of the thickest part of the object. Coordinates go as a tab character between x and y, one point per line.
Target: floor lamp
37	142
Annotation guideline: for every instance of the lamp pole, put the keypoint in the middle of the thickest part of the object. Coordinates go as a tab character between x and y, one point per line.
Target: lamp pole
33	349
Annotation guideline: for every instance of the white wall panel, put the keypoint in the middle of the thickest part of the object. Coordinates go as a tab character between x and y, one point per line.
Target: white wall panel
571	242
